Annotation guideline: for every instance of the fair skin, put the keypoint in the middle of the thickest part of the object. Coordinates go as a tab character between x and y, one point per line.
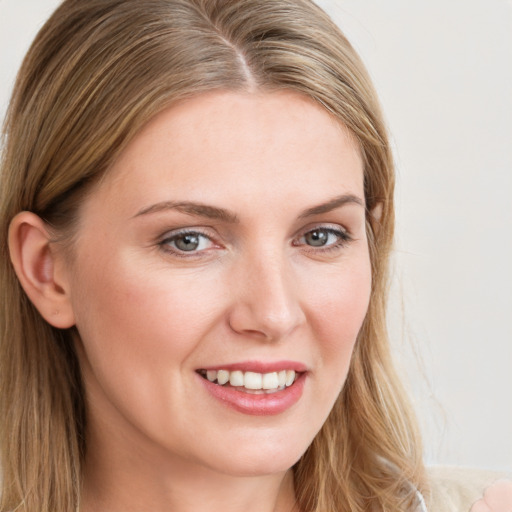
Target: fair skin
228	236
496	498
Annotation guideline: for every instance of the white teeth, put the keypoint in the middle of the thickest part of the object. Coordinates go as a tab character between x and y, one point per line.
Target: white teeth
273	381
270	381
290	377
222	377
252	380
236	378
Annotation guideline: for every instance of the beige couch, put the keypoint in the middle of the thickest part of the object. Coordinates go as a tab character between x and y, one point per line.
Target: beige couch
455	489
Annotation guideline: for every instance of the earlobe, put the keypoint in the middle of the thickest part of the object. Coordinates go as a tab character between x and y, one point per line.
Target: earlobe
35	260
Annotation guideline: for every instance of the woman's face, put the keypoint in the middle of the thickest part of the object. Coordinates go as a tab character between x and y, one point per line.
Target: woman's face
227	242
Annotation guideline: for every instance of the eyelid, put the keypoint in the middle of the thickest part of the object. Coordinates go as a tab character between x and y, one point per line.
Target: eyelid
344	237
333	228
163	241
173	233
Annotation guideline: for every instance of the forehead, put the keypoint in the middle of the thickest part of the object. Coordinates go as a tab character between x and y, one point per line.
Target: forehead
271	145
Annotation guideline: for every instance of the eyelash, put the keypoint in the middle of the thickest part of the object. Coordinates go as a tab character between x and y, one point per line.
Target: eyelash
343	239
165	243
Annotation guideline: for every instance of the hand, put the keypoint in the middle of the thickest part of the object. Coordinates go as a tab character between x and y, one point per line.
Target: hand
497	498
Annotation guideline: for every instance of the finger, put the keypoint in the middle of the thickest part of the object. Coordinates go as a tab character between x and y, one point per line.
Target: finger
499	495
480	506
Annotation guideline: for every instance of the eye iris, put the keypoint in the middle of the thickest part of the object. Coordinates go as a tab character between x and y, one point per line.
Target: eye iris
316	238
187	242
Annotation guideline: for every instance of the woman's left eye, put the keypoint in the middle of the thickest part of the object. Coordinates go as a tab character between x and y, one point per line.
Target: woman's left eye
186	242
326	238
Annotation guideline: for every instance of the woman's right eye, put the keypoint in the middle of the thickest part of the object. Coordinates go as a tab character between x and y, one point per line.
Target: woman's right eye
190	242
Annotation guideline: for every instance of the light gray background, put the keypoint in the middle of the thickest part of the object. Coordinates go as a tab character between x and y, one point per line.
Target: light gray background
443	69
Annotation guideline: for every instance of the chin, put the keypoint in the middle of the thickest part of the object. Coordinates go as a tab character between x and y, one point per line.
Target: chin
257	468
259	461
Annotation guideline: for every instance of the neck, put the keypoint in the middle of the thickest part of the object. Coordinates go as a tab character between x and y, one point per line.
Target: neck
137	491
120	480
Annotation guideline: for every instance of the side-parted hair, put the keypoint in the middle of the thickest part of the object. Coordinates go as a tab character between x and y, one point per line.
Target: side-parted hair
96	73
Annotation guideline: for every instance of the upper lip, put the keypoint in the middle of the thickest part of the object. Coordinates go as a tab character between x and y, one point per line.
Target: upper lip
259	366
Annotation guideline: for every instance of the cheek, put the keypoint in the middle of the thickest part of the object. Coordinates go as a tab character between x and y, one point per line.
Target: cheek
140	326
132	312
340	303
336	313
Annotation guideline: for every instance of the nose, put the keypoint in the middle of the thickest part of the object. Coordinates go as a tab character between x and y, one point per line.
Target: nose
265	299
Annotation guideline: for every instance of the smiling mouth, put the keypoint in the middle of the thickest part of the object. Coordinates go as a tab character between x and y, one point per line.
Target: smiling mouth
252	382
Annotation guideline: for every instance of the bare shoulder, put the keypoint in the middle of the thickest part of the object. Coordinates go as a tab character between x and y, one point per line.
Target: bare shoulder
456	489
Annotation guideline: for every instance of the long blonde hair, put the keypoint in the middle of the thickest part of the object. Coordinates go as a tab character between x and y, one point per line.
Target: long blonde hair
95	74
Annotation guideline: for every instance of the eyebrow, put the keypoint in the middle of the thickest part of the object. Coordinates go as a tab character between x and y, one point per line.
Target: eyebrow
191	208
214	212
333	204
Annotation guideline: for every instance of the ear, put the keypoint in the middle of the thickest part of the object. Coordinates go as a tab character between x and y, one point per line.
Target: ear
40	269
375	216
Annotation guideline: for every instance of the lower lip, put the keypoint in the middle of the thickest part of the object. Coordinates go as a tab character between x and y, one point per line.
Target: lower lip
264	404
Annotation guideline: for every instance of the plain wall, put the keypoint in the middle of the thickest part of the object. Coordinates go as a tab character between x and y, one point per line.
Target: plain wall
443	70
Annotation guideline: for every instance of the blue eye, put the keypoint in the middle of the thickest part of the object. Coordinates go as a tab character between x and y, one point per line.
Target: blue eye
191	241
324	238
318	237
